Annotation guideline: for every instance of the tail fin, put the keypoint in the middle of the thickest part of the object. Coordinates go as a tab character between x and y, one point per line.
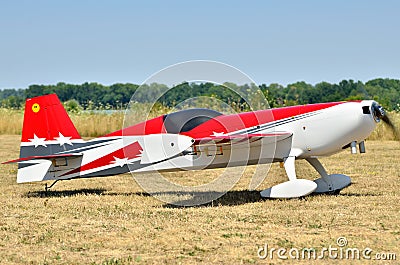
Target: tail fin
47	127
48	135
47	130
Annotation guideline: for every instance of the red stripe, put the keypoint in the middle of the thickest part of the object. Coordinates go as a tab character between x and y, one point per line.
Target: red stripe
129	151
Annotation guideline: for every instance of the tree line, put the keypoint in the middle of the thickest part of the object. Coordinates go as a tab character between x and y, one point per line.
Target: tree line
92	96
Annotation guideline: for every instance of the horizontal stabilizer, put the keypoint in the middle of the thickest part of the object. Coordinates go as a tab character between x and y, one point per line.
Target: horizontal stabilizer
47	157
36	171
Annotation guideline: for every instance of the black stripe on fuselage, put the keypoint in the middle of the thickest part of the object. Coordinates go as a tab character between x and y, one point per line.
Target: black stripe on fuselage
25	164
52	149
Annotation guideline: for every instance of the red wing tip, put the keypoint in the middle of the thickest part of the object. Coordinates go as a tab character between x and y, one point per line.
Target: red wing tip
9	162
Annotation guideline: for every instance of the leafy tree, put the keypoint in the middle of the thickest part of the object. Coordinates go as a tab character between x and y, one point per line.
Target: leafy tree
72	106
95	95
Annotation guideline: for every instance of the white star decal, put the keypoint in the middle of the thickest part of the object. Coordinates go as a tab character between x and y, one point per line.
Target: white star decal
38	141
63	140
141	154
120	161
217	134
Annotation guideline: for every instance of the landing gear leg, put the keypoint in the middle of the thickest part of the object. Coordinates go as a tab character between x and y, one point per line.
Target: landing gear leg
47	188
331	184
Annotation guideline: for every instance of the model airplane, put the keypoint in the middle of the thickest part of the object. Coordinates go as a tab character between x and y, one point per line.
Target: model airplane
52	149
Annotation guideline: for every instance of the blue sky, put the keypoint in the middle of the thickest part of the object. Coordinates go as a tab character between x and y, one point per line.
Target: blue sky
45	42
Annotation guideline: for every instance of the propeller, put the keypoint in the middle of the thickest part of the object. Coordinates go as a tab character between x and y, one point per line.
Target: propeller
379	114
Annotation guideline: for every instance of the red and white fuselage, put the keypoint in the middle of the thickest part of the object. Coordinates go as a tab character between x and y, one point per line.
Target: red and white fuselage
51	148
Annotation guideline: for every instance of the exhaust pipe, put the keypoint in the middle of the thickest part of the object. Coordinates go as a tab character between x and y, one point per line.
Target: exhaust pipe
353	146
361	147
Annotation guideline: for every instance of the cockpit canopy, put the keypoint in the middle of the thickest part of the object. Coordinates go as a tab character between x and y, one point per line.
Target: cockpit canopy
186	120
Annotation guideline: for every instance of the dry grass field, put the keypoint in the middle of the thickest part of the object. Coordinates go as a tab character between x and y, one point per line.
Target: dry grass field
111	221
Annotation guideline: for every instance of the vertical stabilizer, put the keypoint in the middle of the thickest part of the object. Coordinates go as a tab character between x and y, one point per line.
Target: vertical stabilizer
47	127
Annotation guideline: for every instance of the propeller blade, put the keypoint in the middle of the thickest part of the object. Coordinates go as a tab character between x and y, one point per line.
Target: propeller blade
380	114
386	119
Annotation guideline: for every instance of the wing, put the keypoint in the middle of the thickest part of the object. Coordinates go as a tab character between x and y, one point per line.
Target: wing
255	149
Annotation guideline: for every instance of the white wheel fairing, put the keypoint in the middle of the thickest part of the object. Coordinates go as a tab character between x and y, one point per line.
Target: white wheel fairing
290	189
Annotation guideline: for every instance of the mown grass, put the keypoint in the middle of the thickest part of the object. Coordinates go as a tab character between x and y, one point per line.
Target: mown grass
112	221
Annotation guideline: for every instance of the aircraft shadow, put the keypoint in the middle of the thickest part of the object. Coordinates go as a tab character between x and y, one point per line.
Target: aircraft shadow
63	193
353	194
241	197
231	198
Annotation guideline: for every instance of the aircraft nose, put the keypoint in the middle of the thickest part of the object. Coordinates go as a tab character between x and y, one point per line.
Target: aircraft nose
377	111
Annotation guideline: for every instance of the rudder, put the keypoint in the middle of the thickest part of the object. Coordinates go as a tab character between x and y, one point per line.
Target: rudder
47	128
